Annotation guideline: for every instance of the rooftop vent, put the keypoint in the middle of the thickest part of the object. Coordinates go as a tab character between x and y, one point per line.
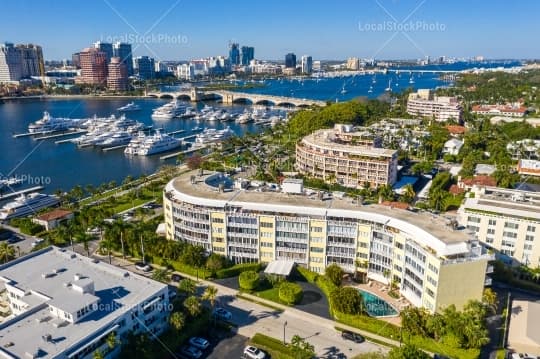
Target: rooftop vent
9	344
126	274
47	275
46	338
78	276
67	284
95	260
58	270
73	255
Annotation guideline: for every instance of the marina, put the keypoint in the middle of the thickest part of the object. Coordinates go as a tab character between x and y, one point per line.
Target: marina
18	193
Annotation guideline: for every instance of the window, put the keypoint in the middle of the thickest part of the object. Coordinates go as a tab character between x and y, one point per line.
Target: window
473	219
491	231
508	244
492	222
217	220
489	239
531	229
316	229
267	244
511	225
267	224
510	234
528	247
316	249
433	268
432	281
529	238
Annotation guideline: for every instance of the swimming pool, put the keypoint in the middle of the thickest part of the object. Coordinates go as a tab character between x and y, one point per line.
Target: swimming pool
377	307
219	179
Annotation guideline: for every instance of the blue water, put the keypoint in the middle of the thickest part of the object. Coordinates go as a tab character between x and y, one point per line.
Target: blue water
62	166
375	306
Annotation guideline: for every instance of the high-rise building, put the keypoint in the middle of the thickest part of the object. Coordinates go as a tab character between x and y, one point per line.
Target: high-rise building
123	51
10	63
432	263
307	64
93	66
353	63
290	60
32	60
117	80
144	67
425	103
105	47
76	60
234	54
248	54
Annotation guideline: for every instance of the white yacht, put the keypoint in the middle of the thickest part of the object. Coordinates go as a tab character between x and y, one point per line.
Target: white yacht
212	135
169	111
189	112
49	124
244	117
129	107
135	143
158	143
117	139
27	204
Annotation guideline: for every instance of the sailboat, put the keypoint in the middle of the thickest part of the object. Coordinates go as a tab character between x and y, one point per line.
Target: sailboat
374	80
343	91
389	88
411	80
370	89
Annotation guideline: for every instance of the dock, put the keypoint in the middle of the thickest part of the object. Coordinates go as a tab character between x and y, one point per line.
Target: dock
60	135
113	148
187	137
27	134
18	193
175	132
191	150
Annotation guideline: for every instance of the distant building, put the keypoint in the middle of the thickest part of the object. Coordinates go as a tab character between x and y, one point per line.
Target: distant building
144	67
76	60
510	110
307	64
93	67
533	121
10	63
440	108
353	63
527	148
117	80
65	305
185	72
529	167
350	158
248	54
105	47
31	60
290	60
452	147
123	51
234	54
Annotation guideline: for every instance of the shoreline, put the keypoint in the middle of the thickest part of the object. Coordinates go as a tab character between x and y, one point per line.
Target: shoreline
49	97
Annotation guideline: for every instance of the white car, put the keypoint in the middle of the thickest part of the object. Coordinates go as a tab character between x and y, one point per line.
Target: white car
37	242
199	342
143	267
253	353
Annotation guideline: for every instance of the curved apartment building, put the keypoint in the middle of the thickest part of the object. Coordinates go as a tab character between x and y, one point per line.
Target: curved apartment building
434	264
349	157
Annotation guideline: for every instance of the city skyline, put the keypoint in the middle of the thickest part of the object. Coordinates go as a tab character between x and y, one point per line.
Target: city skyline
173	30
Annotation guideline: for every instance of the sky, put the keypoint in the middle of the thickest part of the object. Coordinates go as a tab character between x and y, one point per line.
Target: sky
326	30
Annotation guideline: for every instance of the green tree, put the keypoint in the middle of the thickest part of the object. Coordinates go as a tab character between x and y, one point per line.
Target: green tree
248	280
187	287
334	273
408	194
111	340
194	256
216	262
192	306
210	294
290	293
407	352
161	275
98	355
347	300
7	252
301	348
489	298
177	321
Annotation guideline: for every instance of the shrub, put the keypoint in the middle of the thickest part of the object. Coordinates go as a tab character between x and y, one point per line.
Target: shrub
334	273
307	274
347	300
237	269
290	293
248	280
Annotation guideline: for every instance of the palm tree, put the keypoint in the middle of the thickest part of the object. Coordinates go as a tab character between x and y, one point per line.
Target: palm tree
489	298
98	355
85	238
408	193
193	306
7	252
111	341
177	320
187	287
160	275
210	294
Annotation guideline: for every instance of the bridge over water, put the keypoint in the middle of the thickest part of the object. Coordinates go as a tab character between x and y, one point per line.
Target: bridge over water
230	97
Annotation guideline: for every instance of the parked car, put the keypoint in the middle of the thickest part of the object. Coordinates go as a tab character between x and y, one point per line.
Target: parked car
176	277
37	242
222	314
191	352
143	267
14	239
355	337
199	342
252	352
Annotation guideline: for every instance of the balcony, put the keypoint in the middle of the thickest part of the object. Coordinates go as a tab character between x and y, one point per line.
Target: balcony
489	269
488	281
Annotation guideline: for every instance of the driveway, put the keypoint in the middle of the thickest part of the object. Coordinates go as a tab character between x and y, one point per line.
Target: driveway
230	347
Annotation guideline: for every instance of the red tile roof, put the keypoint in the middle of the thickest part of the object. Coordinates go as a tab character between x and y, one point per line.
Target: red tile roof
456	130
455	189
481	180
54	214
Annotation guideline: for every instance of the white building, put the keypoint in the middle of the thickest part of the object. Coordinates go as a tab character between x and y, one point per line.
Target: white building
440	108
66	305
185	72
306	64
452	146
529	167
506	220
11	69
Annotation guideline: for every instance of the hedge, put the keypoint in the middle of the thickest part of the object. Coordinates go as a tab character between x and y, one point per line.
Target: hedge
290	293
202	273
272	346
248	280
236	269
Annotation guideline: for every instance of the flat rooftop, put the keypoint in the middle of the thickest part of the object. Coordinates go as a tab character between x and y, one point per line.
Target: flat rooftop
325	139
310	205
116	292
508	202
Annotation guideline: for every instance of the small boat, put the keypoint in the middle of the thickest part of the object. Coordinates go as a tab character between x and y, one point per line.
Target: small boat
129	107
389	88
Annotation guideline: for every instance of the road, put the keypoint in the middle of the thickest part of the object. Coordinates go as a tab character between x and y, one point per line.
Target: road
251	318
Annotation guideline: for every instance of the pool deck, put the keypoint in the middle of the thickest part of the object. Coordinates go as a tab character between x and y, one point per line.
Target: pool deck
379	290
